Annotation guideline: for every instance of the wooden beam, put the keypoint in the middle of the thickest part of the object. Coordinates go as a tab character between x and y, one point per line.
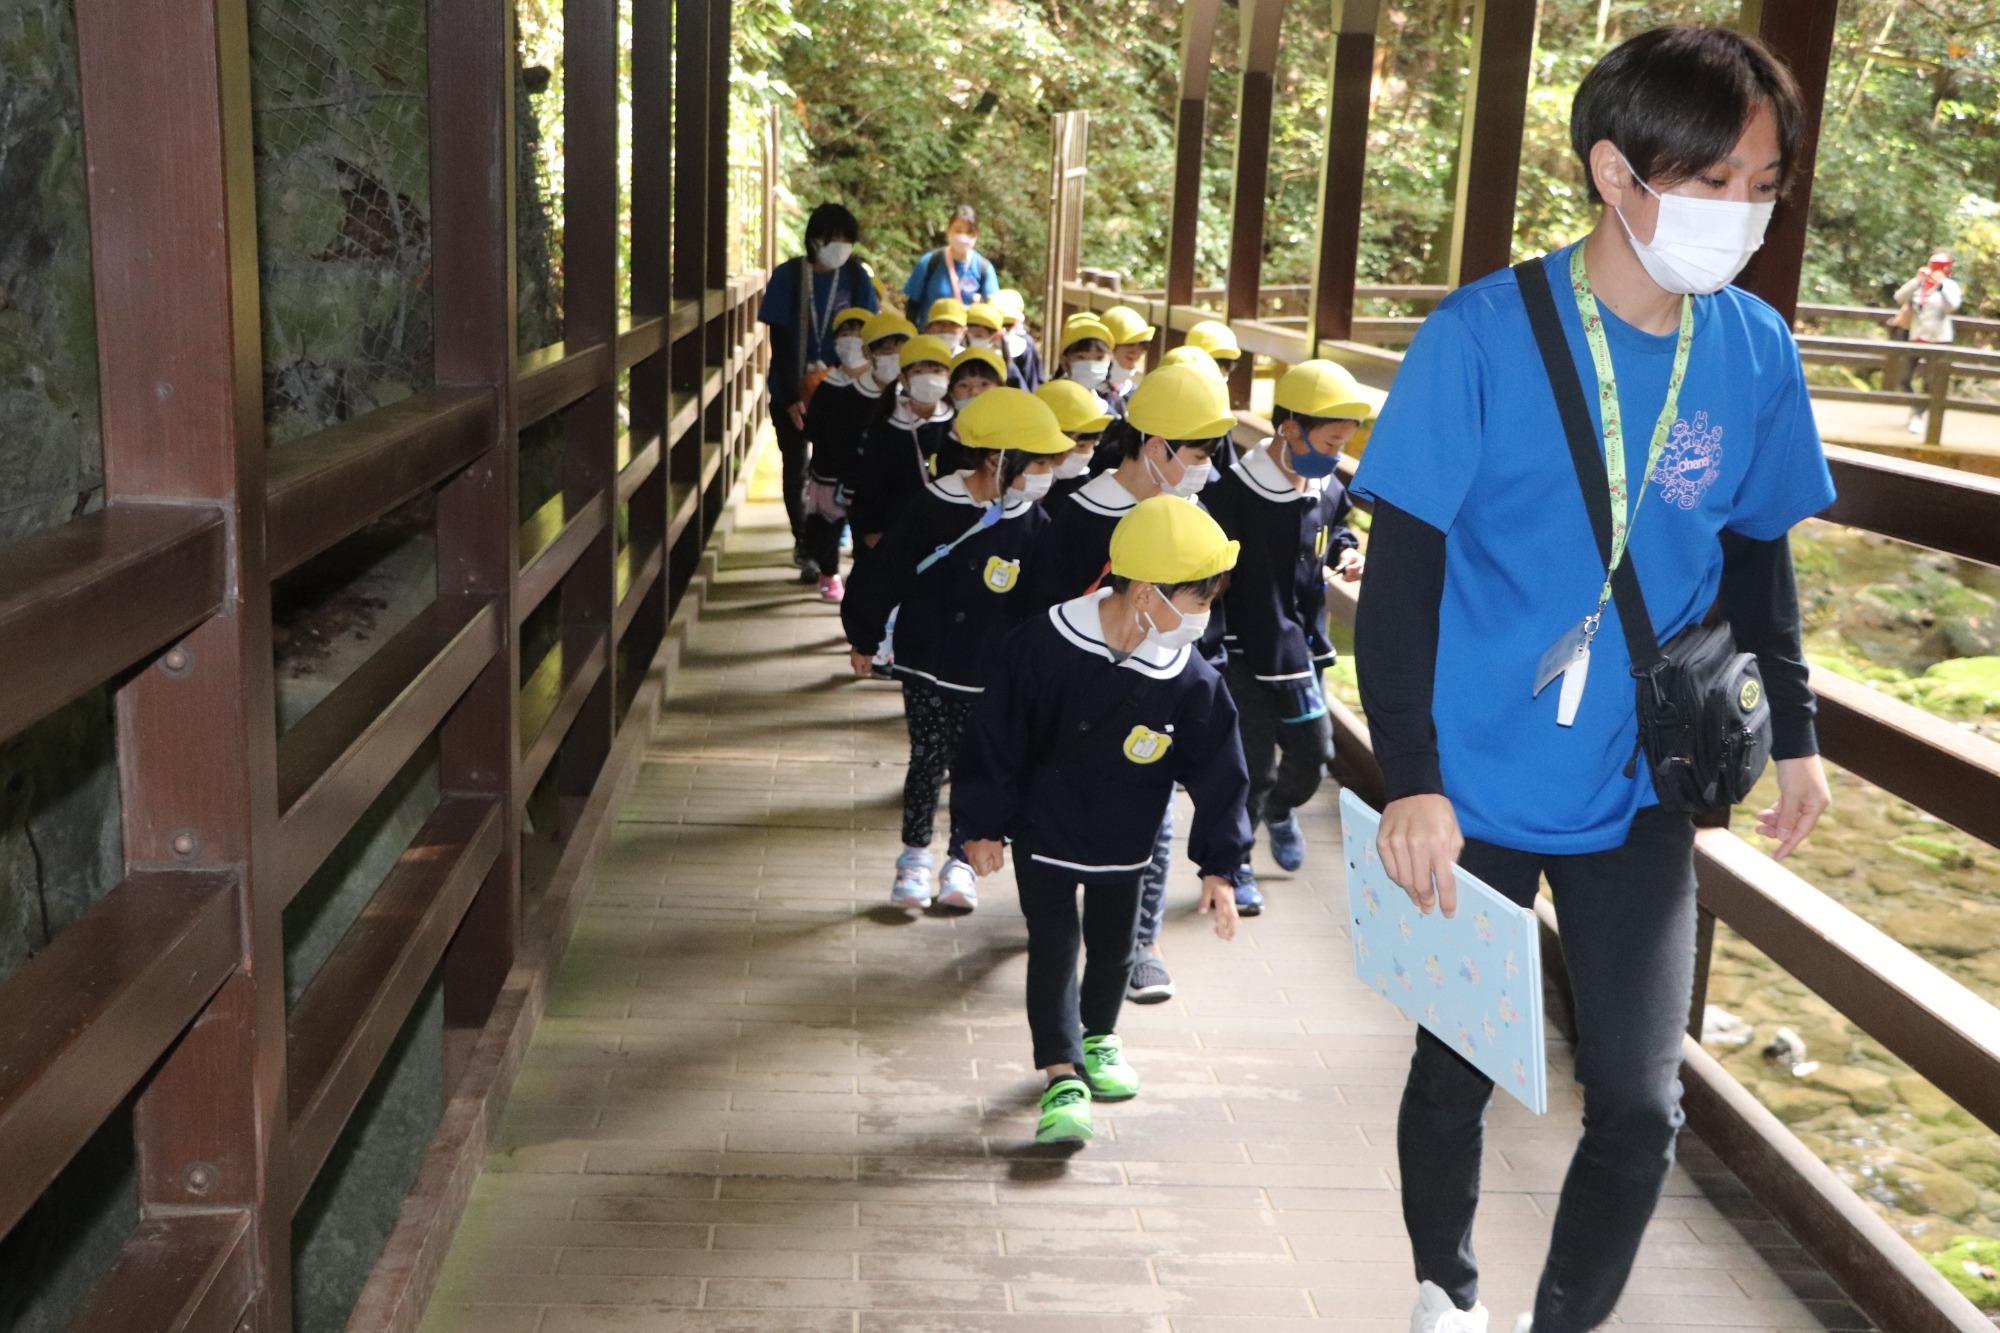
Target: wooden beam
1261	22
1345	168
1800	32
1198	19
1489	152
1940	507
181	1273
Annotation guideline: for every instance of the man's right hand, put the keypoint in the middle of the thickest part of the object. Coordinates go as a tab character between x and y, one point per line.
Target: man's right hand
1420	842
797	412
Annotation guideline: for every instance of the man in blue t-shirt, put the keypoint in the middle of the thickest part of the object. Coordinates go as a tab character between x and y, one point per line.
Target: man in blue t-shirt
1482	559
800	304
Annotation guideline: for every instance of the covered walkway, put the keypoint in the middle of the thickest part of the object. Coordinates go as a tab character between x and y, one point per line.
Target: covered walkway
761	1099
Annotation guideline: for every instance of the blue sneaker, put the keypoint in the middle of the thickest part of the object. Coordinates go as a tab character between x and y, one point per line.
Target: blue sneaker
1288	843
913	879
1249	898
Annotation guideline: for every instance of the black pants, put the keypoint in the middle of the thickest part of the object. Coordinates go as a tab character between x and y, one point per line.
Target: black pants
1627	918
1286	759
1061	1013
792	450
936	719
819	542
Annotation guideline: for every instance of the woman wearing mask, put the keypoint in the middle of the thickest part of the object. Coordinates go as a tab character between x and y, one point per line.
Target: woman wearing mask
1022	353
956	269
843	406
908	445
1926	303
1691	388
800	305
949	570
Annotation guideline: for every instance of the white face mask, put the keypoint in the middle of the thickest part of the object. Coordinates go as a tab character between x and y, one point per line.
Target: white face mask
1193	625
1698	245
850	353
1016	341
1192	479
1072	466
980	338
833	254
1120	376
955	341
928	389
887	367
1035	485
1090	374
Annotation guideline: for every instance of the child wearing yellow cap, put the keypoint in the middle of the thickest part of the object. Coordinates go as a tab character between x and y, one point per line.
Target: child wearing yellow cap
1092	715
1131	340
1016	340
844	405
946	320
1284	503
945	576
908	444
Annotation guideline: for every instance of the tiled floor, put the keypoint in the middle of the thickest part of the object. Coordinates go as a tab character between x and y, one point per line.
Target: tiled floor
763	1099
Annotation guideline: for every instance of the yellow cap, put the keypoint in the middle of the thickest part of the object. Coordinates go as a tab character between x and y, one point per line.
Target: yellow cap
1323	389
981	315
1215	338
924	347
1170	540
852	315
1078	410
947	308
1181	403
1006	418
1189	355
1127	326
985	356
1083	328
887	324
1010	303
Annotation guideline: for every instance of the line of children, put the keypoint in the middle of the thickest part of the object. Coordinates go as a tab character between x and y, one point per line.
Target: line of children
945	321
948	570
1283	503
837	416
1131	340
1092	715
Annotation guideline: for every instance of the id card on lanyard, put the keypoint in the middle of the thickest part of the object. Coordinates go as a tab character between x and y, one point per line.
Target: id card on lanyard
1569	655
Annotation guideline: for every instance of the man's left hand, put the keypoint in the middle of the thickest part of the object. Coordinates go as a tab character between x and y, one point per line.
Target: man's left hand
1803	797
1349	565
797	412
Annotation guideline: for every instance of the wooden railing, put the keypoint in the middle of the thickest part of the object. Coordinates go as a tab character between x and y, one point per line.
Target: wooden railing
1942	1030
171	987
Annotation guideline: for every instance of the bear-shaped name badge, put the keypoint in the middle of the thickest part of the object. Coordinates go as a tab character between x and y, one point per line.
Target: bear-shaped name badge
1144	745
1002	575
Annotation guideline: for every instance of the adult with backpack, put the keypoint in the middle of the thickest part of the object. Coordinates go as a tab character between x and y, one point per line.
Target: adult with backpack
956	269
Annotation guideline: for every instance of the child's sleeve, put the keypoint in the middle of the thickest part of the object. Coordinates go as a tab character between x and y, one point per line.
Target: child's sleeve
1344	538
1273	646
1215	775
985	775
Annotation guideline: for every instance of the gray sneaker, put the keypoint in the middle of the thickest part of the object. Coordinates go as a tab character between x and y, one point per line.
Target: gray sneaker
1150	983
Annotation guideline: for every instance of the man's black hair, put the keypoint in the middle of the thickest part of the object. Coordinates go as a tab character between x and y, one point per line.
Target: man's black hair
1210	587
831	222
1676	100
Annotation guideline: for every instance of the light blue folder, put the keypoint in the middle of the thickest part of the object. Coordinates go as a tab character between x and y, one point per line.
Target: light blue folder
1475	979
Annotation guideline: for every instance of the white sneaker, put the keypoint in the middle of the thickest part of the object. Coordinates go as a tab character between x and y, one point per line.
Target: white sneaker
1524	1324
1436	1314
913	879
958	886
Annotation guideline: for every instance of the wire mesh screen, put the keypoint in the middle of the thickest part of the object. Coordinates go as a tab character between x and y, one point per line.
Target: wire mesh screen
538	207
342	126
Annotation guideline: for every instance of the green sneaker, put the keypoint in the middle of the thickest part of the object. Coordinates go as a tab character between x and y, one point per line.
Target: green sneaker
1104	1065
1065	1112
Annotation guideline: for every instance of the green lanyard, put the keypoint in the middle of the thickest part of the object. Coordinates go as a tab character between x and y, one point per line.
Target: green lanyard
1622	515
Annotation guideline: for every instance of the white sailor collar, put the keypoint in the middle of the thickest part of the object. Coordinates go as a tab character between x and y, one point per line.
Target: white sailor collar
864	383
1262	474
1105	494
1082	622
952	490
908	420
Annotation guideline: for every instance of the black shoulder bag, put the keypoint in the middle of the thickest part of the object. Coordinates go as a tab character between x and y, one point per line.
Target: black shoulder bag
1704	724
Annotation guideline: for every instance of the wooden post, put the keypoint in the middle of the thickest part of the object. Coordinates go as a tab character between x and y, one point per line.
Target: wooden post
1261	21
1489	153
690	210
652	296
1937	383
1704	955
1184	220
474	305
1345	169
166	114
1800	32
722	339
1069	146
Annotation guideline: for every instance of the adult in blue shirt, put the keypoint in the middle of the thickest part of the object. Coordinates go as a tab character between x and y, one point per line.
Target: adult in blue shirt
1482	557
957	269
800	302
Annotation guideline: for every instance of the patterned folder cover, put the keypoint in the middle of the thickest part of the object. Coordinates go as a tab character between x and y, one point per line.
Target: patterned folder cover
1474	980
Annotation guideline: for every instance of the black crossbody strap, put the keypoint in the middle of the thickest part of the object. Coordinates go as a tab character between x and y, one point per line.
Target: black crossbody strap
1584	451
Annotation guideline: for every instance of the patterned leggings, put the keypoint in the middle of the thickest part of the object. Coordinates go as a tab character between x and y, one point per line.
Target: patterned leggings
936	718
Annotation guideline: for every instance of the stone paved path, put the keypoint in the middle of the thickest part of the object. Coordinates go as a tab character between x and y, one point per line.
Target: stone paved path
763	1100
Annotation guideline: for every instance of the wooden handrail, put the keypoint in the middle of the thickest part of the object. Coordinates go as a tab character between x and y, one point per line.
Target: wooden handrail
82	601
185	1272
1939	507
90	1014
331	483
552	378
550	546
550	701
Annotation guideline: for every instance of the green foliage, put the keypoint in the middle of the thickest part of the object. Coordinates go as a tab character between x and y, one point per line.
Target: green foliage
1970	1264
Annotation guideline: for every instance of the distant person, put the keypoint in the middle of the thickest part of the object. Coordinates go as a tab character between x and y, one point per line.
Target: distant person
956	270
1022	352
1486	576
802	318
1925	305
